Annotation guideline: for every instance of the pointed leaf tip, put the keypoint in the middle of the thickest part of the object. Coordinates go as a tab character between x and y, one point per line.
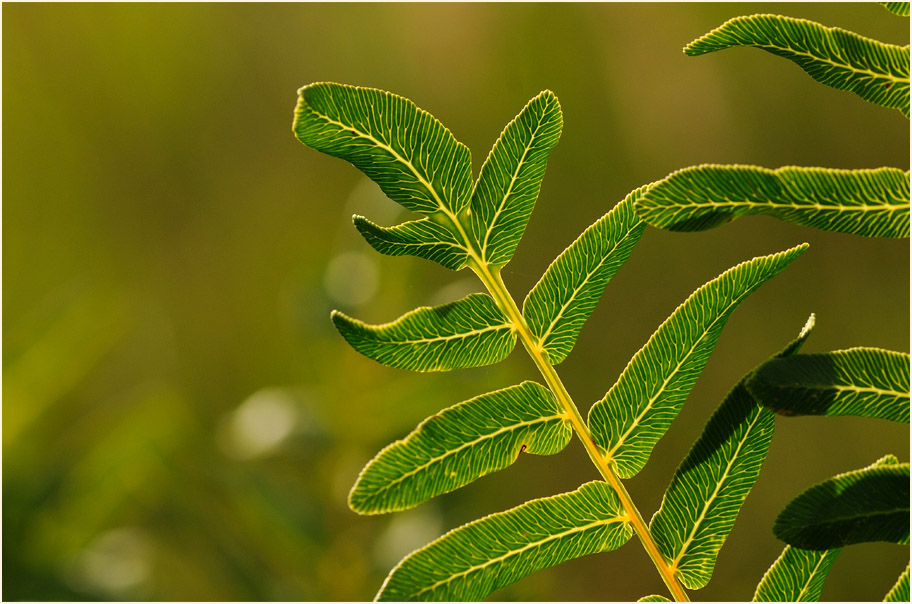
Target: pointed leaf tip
877	72
511	176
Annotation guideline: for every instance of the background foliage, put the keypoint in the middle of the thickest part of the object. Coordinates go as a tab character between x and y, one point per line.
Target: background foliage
180	418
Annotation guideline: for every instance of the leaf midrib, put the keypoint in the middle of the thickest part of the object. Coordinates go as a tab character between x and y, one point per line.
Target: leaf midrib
715	492
544	337
648	407
838	207
503	201
462	335
839	66
807	584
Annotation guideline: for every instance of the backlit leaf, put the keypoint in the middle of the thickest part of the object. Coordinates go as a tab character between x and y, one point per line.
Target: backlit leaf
423	238
871	203
796	576
460	444
416	161
511	176
470	332
653	599
871	504
897	8
650	392
900	591
866	382
706	493
470	562
560	303
875	71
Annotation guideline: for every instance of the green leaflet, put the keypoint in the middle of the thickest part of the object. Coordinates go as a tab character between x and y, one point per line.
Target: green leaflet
416	161
871	504
565	296
470	562
511	176
867	382
423	238
641	405
653	599
875	71
897	8
871	203
706	493
470	332
459	445
797	575
900	591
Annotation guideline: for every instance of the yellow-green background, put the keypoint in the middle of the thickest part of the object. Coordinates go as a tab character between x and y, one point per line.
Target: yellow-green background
167	247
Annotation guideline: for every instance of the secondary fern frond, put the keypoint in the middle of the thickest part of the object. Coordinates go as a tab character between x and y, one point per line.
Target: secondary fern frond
470	332
511	176
871	203
871	504
700	506
422	238
866	382
875	71
560	303
473	560
413	157
650	392
459	445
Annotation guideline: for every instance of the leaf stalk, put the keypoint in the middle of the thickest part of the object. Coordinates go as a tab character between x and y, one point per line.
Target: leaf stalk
602	460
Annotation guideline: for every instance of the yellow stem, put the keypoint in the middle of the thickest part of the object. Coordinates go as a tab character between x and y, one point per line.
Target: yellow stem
599	457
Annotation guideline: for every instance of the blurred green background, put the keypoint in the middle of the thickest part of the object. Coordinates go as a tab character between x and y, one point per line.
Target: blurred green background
180	419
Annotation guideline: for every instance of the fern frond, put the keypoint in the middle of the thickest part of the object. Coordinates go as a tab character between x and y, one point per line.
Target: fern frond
871	504
461	444
865	382
797	575
470	332
875	71
470	562
871	203
650	392
563	299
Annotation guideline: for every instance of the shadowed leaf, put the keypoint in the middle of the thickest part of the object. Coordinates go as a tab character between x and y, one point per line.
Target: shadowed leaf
796	576
511	176
560	303
460	444
871	504
473	560
875	71
706	493
866	382
870	203
650	392
470	332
